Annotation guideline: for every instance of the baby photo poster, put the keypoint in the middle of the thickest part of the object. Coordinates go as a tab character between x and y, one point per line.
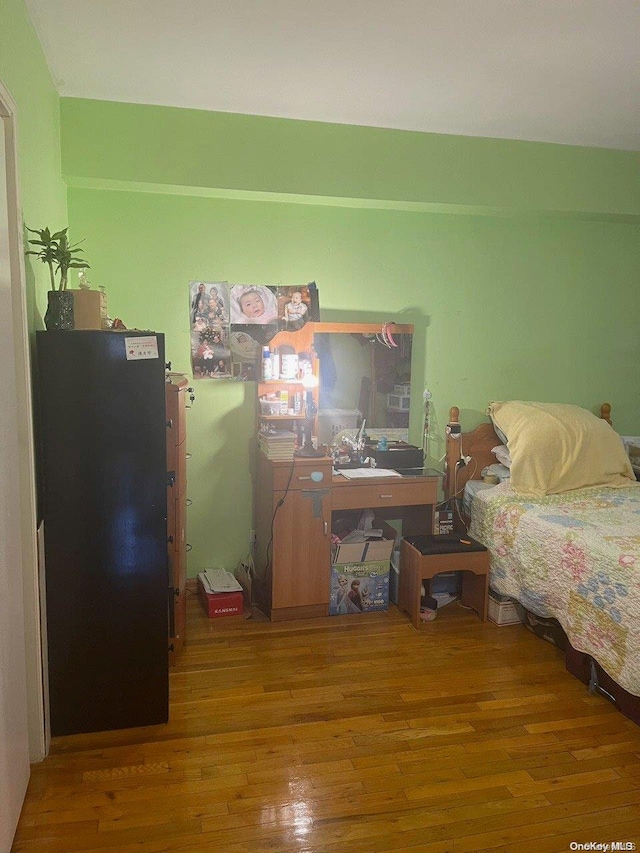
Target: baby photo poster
231	322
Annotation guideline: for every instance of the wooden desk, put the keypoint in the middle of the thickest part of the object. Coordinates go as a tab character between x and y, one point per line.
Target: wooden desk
294	503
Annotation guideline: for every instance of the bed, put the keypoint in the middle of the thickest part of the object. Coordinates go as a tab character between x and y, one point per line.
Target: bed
572	556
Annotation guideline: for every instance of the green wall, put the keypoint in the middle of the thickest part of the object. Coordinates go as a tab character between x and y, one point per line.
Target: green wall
24	72
518	262
190	150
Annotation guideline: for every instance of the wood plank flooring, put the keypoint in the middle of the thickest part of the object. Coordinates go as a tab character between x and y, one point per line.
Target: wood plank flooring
349	734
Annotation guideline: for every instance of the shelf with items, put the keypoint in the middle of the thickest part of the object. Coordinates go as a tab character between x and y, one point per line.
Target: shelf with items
287	392
282	417
288	357
282	383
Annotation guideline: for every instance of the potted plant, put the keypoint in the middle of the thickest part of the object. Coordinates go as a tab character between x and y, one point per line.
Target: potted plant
60	256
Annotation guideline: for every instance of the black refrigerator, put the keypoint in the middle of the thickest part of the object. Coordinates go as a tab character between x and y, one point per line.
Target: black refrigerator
101	437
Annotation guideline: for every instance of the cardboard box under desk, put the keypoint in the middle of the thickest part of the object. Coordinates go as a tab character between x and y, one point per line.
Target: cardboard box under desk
364	552
218	604
360	575
359	587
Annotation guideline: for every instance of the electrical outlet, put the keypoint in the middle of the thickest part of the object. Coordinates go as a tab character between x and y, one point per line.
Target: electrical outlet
252	538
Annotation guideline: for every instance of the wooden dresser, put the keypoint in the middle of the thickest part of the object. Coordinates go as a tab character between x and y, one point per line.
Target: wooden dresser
177	393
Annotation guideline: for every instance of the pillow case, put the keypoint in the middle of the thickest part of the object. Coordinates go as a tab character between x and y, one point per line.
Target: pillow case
503	438
502	455
499	471
558	447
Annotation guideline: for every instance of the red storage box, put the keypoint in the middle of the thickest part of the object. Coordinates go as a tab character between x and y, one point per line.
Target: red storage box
220	603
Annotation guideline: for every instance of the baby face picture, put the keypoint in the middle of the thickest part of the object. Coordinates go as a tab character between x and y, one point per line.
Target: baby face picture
294	307
244	347
253	304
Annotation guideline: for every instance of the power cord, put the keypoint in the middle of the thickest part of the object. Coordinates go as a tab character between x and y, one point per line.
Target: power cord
461	463
273	519
456	492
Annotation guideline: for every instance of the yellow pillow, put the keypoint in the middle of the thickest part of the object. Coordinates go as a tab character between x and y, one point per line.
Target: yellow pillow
556	447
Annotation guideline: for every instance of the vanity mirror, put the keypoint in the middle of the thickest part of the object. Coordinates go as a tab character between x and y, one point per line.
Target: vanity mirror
364	373
361	372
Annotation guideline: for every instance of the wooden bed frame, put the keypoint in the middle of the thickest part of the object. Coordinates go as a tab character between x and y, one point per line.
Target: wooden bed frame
478	444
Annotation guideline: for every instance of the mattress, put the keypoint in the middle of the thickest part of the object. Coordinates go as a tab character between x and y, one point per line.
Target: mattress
574	557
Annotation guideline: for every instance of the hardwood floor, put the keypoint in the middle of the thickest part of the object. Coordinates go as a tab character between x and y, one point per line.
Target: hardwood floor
349	734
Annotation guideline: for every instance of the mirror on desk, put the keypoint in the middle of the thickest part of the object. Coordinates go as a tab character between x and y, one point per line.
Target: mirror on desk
363	377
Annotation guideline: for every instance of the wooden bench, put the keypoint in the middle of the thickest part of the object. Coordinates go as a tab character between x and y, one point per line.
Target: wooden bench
424	557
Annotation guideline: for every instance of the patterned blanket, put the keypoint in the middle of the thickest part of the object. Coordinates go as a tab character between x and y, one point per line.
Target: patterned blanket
576	557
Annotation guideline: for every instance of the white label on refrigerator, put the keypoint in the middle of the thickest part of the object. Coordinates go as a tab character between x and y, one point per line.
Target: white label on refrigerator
137	348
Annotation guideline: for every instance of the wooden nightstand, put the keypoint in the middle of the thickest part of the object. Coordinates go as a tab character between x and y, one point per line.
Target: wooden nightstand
424	557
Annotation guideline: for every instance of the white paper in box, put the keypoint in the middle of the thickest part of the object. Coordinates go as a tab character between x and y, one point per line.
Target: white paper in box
364	552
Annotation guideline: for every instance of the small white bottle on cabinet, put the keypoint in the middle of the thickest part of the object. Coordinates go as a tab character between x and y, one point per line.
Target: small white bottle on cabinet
275	364
267	366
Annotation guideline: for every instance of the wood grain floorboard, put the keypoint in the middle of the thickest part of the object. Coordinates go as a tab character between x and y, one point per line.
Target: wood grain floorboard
349	735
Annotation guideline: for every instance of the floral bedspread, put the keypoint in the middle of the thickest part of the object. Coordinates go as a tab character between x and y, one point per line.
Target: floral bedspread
576	557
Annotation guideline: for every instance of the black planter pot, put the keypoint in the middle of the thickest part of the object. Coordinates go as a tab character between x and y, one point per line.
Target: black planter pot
59	314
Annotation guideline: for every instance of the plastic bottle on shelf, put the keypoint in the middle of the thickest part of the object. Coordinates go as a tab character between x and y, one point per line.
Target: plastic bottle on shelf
267	366
275	363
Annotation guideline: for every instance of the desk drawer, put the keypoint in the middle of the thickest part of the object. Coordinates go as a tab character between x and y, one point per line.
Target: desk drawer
301	476
387	493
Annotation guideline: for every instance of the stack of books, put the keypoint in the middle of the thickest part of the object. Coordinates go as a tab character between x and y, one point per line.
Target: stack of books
277	445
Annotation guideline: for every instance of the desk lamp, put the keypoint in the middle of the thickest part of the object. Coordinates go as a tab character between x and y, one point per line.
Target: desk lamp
308	451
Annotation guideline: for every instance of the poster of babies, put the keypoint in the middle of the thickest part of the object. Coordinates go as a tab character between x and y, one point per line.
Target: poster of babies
230	322
288	308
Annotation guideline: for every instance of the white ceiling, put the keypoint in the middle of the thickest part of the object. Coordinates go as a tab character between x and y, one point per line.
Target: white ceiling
564	71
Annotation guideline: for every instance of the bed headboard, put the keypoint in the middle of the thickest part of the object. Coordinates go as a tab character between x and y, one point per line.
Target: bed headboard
477	444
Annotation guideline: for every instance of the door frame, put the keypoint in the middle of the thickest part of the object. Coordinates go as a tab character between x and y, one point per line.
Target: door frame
33	582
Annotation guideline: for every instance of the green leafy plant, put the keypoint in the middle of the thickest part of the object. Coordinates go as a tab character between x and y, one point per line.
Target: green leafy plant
58	254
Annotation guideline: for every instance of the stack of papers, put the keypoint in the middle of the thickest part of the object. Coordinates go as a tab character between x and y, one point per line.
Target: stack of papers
219	580
444	598
357	473
361	536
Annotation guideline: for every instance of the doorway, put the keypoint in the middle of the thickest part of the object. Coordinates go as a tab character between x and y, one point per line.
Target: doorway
22	729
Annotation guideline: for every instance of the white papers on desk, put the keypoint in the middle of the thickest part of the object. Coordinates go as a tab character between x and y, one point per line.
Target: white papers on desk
371	473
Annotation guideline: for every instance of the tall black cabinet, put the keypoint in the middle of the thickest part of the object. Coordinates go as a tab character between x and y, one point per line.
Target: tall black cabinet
102	472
